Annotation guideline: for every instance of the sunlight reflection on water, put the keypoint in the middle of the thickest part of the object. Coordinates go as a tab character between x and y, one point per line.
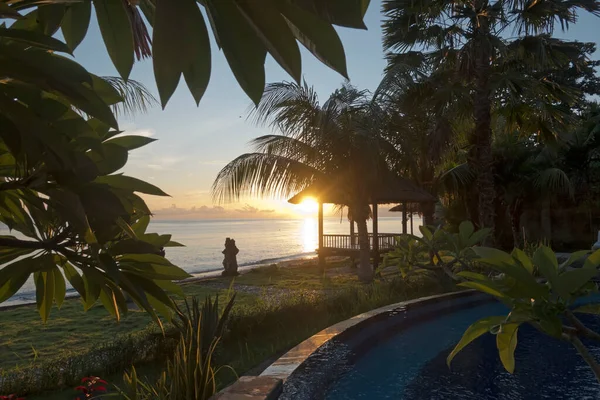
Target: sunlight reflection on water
310	234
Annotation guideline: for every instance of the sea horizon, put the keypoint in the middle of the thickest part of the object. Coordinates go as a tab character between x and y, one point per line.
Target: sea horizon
260	241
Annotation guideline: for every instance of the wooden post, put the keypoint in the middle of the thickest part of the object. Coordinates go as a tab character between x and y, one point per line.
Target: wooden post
320	251
411	223
404	217
352	238
375	237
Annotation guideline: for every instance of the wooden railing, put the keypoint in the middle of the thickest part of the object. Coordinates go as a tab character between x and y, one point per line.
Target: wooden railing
386	241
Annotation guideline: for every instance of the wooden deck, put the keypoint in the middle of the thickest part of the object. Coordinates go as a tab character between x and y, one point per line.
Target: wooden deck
349	243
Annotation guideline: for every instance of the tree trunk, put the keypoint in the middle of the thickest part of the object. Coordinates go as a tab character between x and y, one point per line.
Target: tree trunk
481	157
428	211
365	269
515	222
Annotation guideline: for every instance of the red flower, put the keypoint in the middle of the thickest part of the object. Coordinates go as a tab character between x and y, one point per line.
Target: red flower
82	388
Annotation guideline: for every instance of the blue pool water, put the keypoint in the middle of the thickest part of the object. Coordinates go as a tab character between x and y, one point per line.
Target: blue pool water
412	365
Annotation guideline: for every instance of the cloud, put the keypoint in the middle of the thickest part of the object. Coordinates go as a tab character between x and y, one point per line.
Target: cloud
213	212
248	209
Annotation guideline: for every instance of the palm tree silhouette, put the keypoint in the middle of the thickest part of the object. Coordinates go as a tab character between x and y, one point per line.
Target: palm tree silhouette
337	144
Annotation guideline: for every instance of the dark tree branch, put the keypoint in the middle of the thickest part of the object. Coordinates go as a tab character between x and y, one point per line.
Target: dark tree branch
584	353
580	327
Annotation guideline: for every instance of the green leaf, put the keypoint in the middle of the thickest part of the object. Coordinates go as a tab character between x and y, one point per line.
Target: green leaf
113	158
197	72
49	17
117	33
506	342
130	142
575	256
44	285
75	23
591	308
140	226
172	243
465	230
106	91
60	288
485	288
7	12
545	259
14	276
593	260
129	183
318	36
170	287
275	33
426	232
109	302
478	237
126	228
180	45
348	13
155	239
35	39
477	329
523	259
93	281
74	279
495	257
131	246
243	49
571	281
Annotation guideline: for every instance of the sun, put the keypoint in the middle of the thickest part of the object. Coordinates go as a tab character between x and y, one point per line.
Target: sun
308	206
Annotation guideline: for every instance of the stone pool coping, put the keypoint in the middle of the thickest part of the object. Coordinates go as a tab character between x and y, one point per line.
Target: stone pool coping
269	384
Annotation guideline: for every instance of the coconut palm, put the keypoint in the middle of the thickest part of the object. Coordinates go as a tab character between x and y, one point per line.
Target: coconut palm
465	46
429	141
337	144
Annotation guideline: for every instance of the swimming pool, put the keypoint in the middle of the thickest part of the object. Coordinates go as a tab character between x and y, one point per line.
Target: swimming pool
401	354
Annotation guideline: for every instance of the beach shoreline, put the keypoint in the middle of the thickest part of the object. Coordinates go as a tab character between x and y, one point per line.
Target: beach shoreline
282	262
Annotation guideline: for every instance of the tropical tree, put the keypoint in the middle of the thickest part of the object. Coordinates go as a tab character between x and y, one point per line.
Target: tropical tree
429	143
464	46
337	144
526	173
76	216
246	30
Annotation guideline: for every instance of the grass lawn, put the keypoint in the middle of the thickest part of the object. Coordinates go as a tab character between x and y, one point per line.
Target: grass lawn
69	330
288	305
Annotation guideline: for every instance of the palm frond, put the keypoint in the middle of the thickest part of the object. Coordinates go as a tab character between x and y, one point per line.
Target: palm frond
136	97
456	178
260	175
288	147
286	106
552	181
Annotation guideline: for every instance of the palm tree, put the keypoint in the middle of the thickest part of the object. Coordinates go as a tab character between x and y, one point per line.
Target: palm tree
428	140
336	144
526	173
464	45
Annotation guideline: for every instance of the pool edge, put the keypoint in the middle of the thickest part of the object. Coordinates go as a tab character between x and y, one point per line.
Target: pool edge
269	384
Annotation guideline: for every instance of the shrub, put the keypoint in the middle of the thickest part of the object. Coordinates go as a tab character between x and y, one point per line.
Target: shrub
548	304
190	374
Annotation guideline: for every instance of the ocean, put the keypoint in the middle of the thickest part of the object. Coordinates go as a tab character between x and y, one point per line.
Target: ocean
260	241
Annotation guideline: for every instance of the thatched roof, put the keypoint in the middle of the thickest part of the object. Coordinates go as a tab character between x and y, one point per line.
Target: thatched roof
410	207
393	190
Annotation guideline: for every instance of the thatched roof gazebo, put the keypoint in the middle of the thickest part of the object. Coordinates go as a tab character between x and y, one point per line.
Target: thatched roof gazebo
391	191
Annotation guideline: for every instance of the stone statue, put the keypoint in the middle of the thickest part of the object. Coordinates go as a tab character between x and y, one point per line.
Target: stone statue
230	260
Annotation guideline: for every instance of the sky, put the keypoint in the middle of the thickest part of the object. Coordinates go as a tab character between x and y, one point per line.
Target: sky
194	143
